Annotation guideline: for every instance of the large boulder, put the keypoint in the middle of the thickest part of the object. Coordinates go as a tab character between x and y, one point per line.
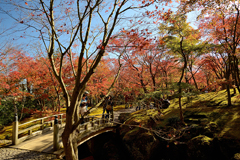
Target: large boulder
199	147
123	117
137	136
141	146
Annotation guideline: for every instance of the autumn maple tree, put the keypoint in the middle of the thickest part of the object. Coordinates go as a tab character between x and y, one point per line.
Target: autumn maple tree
220	22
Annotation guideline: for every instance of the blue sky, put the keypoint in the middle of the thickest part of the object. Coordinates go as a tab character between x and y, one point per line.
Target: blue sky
17	35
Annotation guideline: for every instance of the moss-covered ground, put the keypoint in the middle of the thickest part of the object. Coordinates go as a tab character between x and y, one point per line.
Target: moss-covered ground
211	129
201	109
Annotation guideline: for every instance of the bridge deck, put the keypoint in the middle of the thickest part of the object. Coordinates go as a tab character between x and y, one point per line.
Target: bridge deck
44	142
40	143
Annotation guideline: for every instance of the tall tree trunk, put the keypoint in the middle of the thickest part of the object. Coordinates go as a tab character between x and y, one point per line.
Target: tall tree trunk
143	86
59	102
153	77
180	104
229	95
154	83
166	83
180	98
194	80
236	70
195	83
180	81
70	144
53	106
228	72
180	95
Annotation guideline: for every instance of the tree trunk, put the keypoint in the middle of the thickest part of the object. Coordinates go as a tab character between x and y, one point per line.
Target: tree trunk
229	95
180	81
143	86
59	102
180	96
180	104
166	82
236	70
194	80
228	72
70	144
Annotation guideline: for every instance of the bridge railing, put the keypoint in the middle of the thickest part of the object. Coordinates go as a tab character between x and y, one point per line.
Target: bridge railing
56	123
96	120
34	124
89	123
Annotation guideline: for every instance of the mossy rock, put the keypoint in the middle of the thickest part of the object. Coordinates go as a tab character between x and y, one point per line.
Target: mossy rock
237	156
123	117
211	129
201	140
131	134
199	147
134	123
140	143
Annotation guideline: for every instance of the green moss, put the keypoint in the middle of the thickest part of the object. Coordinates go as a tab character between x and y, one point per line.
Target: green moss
237	156
202	140
130	134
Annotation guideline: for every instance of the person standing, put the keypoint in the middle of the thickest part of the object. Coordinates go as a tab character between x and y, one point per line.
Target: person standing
104	104
109	106
86	93
83	105
138	106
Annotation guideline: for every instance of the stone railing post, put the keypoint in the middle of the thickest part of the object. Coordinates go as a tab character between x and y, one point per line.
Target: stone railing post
86	126
55	134
112	115
98	122
92	124
42	123
15	130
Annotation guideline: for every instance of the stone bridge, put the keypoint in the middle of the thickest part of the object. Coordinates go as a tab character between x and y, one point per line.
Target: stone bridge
44	134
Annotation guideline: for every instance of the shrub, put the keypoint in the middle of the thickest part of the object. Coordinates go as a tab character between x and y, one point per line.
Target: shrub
7	109
7	137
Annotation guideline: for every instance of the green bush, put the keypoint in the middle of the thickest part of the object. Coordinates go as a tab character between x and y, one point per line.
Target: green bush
7	109
6	112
